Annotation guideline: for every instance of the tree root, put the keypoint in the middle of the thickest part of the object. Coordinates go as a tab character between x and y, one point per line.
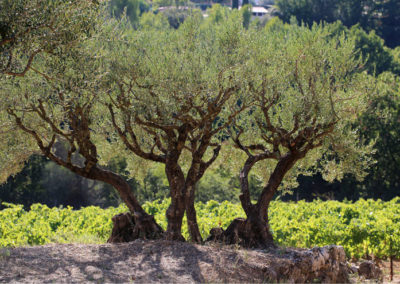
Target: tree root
127	228
244	233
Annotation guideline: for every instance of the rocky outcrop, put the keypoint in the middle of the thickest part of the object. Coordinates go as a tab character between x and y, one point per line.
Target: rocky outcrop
326	264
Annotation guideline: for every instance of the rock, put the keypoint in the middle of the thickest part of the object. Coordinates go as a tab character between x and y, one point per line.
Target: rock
326	264
369	270
322	265
353	268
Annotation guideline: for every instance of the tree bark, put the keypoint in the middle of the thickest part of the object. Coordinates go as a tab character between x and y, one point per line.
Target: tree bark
191	216
254	231
175	213
176	210
120	185
128	227
195	173
283	166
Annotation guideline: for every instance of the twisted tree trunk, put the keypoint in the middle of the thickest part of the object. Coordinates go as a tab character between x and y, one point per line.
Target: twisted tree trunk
254	231
129	226
195	173
193	226
175	213
176	210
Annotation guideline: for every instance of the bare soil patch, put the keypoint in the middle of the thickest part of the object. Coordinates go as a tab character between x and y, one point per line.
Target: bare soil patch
385	266
153	261
150	261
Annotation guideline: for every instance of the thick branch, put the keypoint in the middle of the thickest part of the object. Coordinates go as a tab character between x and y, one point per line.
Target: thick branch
46	150
27	66
134	147
205	165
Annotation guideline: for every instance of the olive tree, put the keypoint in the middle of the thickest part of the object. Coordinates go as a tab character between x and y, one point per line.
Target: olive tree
306	90
58	106
29	28
173	93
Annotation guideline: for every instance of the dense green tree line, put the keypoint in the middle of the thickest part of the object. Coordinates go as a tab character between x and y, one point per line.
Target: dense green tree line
381	16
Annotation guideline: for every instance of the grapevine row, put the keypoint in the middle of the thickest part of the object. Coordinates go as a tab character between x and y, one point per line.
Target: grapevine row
365	227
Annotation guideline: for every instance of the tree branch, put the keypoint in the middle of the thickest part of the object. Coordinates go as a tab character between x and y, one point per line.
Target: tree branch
27	66
135	148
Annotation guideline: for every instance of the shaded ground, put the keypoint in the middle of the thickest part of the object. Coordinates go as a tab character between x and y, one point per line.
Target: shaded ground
138	262
152	261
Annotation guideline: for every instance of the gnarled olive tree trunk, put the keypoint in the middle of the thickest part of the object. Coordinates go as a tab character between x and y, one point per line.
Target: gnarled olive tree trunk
191	216
176	210
254	231
129	226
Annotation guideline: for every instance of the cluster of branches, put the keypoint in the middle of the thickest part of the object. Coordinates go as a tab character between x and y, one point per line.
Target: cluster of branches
28	28
180	98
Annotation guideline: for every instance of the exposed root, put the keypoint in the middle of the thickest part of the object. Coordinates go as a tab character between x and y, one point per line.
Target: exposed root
243	232
127	228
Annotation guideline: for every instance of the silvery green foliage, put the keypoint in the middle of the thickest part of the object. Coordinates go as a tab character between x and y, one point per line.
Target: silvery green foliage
47	67
15	148
163	79
307	90
169	77
32	27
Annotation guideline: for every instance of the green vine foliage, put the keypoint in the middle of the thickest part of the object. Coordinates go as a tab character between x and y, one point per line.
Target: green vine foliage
364	227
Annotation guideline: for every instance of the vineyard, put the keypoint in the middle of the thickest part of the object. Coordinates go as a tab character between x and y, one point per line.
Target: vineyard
365	227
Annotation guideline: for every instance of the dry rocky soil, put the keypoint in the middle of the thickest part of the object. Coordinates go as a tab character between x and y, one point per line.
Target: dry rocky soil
166	262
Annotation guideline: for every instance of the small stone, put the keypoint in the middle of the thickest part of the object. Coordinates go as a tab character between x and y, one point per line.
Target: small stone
353	268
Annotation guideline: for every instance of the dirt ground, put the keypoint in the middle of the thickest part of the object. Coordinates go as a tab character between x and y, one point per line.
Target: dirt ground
137	262
142	262
385	266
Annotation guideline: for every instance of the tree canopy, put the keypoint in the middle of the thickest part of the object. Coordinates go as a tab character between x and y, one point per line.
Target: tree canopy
28	28
297	121
278	102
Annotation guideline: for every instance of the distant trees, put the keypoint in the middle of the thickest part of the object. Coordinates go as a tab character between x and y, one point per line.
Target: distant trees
132	8
388	16
380	121
370	47
381	16
349	12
